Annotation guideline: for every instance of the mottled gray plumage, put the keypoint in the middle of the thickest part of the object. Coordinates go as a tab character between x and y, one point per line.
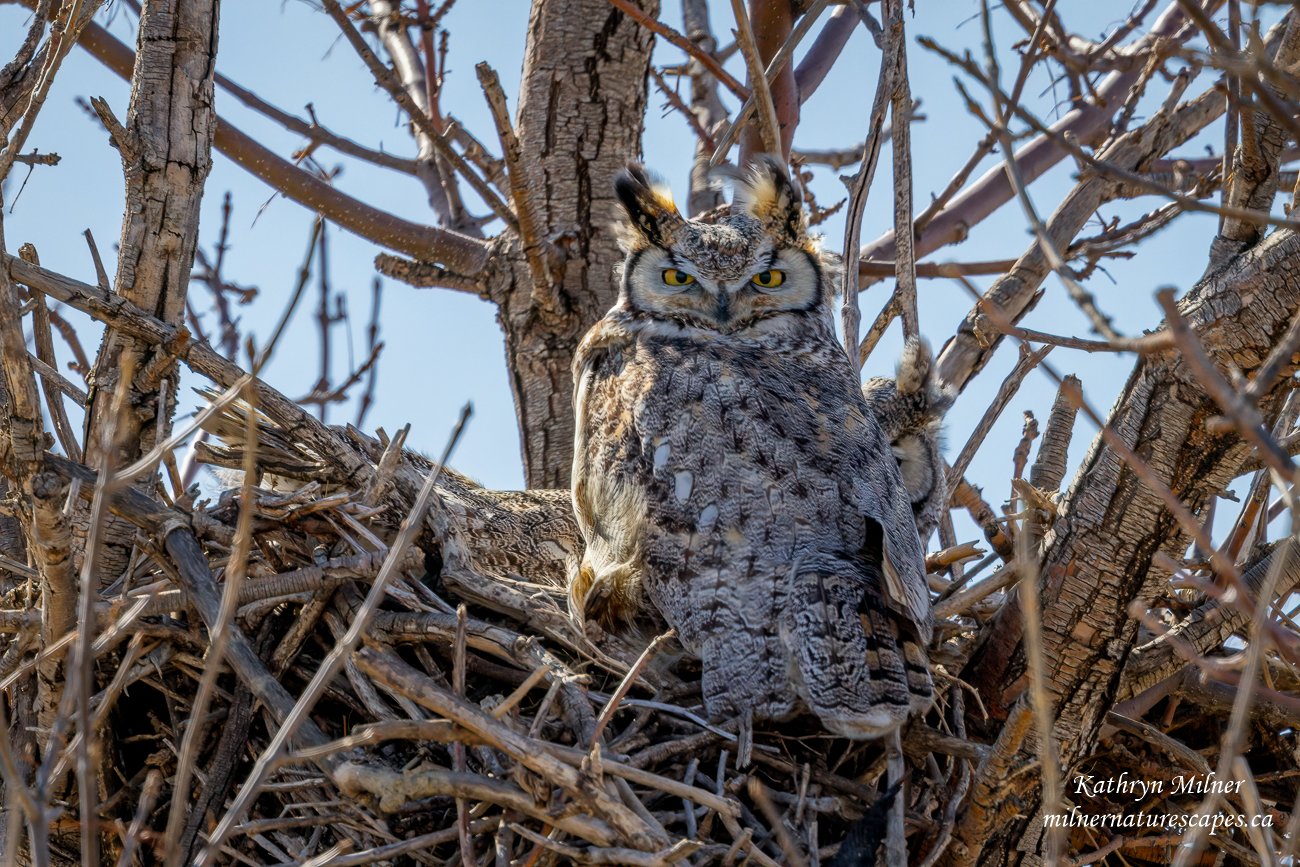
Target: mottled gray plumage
727	469
910	411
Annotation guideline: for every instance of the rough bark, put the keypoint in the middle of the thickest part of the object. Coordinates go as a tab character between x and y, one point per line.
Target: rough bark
580	115
166	157
1099	556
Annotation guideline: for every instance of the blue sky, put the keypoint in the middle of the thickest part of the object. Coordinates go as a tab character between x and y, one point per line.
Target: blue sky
444	348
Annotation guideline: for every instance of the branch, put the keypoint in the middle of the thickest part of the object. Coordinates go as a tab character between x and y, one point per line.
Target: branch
993	190
384	78
769	131
462	254
702	57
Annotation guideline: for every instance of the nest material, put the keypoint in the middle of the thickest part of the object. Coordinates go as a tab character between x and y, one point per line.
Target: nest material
475	721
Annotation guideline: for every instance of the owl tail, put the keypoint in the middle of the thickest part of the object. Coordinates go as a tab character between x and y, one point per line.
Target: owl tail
858	668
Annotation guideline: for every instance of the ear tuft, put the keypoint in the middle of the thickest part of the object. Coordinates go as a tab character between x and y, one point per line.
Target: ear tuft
652	215
767	194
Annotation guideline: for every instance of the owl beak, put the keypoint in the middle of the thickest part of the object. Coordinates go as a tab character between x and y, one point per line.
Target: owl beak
722	312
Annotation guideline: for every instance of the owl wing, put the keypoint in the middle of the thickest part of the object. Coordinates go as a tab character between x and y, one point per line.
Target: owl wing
609	479
901	562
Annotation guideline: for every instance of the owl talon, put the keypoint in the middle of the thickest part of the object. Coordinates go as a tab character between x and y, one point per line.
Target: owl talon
603	599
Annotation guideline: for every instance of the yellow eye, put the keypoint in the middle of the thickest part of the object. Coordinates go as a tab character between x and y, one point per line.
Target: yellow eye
768	279
675	277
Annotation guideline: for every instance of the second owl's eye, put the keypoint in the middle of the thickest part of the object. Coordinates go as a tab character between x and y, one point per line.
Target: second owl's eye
677	277
768	279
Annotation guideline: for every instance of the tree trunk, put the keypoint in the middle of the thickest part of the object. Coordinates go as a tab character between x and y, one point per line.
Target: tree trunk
581	110
1099	556
166	154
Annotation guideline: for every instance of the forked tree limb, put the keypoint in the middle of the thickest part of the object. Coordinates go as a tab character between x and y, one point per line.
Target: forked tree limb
461	254
993	189
1102	557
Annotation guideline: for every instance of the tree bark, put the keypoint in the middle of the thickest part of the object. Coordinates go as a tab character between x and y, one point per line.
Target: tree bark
1099	556
166	155
581	111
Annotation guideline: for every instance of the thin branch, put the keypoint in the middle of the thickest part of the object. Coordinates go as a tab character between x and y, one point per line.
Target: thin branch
768	125
705	59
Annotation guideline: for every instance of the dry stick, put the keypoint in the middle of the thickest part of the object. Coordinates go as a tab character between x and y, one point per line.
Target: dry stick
901	122
611	854
148	462
62	38
445	731
1044	708
384	78
1234	737
1027	361
236	571
859	189
1081	296
607	713
458	749
61	386
729	136
153	783
517	174
16	787
82	673
705	59
1144	345
758	792
127	318
966	599
768	126
424	842
52	383
1232	120
384	666
511	701
330	666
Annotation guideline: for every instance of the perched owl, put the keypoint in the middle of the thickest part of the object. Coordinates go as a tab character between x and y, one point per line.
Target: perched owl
910	410
727	470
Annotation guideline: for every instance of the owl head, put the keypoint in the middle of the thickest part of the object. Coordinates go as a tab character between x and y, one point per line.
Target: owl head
728	275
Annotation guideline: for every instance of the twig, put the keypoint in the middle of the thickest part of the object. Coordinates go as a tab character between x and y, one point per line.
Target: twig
236	571
607	713
1027	361
543	292
859	188
331	664
768	125
732	132
702	57
901	118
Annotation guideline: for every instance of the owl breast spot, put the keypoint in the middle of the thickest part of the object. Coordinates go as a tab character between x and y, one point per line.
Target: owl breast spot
683	482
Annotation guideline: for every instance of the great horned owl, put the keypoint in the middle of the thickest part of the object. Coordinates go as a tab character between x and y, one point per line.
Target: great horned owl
910	410
727	469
